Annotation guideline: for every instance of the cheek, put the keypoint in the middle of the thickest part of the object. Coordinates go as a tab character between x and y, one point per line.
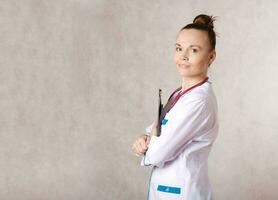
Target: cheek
175	57
200	61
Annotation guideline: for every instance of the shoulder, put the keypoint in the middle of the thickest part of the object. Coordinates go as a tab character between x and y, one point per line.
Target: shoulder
202	95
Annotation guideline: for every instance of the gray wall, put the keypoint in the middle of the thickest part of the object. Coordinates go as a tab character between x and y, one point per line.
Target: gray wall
79	80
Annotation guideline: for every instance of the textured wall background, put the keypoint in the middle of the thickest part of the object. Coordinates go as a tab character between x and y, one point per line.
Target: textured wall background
78	83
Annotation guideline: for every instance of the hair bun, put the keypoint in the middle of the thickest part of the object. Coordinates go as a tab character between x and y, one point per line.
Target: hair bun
204	20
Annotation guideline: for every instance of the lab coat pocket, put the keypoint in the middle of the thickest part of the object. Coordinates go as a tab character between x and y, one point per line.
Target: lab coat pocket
169	191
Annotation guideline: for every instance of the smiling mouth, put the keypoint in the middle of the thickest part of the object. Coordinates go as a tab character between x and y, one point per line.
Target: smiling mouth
183	66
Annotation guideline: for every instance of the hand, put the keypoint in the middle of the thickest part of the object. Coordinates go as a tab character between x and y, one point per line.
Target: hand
141	145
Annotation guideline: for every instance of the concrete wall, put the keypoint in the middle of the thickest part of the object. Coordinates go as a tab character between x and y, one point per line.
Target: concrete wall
79	80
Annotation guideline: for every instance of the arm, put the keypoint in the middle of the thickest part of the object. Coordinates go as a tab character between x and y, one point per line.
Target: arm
182	128
141	144
148	129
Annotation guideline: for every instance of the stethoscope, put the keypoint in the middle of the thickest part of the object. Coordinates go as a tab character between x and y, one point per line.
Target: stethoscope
170	103
184	92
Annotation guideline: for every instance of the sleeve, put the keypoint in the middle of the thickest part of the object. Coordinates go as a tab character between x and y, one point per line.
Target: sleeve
183	126
148	129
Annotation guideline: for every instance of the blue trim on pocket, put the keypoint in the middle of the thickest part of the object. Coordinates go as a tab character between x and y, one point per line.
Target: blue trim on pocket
164	121
164	188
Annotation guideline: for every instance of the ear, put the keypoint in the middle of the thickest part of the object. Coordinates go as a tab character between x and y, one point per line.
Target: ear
212	56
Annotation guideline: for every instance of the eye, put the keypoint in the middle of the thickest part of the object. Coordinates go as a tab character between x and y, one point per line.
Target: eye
194	50
178	49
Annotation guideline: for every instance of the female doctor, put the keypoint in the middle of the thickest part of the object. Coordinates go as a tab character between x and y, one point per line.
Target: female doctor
189	127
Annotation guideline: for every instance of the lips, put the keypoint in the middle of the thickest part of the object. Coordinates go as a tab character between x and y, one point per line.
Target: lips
183	66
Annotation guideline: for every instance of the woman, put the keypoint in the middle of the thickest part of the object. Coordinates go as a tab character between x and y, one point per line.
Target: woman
189	122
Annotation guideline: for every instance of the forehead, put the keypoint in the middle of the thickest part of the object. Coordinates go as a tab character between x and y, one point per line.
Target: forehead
189	37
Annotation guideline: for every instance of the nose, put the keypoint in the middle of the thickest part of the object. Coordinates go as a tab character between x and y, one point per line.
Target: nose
184	56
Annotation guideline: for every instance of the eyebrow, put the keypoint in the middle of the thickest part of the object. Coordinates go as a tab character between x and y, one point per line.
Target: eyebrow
194	45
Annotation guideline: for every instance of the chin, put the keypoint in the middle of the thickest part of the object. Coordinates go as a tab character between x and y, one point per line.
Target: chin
183	72
184	76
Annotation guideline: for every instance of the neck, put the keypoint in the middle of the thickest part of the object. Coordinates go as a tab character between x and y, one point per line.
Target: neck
188	82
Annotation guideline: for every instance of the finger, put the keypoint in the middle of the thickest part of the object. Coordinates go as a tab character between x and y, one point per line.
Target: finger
143	144
139	148
139	154
133	148
148	139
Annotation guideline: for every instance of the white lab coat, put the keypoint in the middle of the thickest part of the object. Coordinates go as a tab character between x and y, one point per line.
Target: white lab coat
179	155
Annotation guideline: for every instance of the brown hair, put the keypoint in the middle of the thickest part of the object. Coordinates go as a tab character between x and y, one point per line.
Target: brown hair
205	23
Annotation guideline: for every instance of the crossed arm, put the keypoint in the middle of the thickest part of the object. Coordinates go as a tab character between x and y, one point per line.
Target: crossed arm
193	121
141	144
